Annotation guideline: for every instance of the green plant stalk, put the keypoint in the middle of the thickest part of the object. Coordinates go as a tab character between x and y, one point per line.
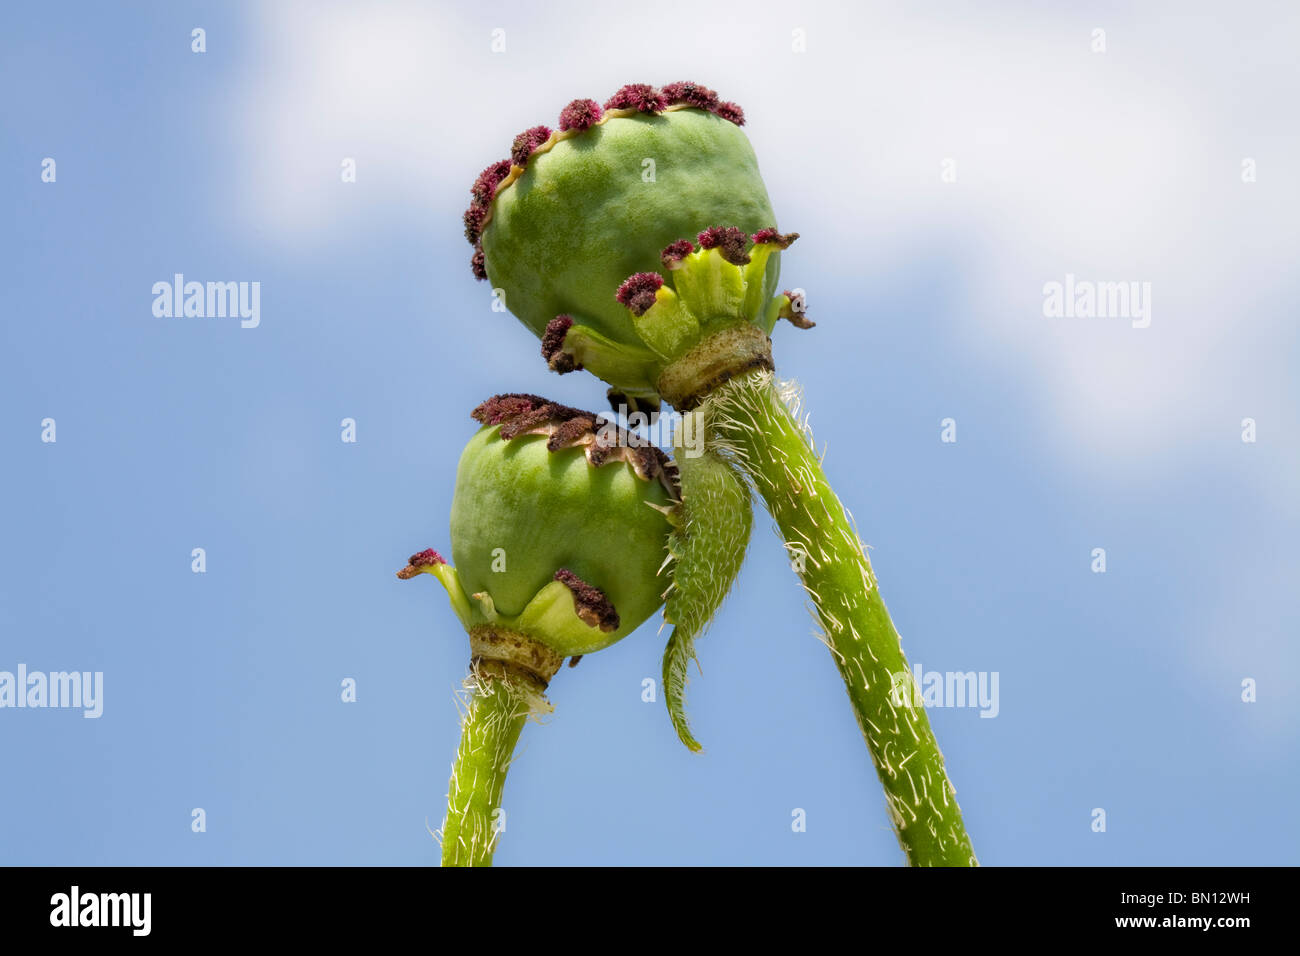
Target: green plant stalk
759	430
493	718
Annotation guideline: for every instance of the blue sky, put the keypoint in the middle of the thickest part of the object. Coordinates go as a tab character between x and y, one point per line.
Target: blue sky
1119	691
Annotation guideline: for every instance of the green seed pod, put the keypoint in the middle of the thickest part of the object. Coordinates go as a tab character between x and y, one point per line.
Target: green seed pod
613	192
559	526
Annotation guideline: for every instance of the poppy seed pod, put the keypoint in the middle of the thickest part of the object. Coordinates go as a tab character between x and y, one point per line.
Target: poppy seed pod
560	225
559	526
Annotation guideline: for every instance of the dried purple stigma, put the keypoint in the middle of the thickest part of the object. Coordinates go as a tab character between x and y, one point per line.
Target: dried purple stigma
417	562
485	187
638	292
675	252
483	191
637	96
782	241
580	115
692	94
500	407
426	557
731	112
511	406
589	602
729	241
474	218
526	142
518	414
553	345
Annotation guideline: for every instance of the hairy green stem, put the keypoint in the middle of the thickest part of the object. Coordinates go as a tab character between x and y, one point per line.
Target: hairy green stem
494	716
756	427
707	547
